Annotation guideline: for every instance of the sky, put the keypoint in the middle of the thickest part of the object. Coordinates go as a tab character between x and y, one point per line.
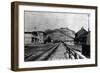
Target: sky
41	21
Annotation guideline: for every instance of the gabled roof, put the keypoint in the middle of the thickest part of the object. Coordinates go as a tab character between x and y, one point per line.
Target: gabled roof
81	33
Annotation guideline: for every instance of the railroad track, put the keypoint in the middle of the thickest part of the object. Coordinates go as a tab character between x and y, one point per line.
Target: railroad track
71	53
44	55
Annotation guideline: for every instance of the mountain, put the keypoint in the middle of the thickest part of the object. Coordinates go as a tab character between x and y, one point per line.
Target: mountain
61	34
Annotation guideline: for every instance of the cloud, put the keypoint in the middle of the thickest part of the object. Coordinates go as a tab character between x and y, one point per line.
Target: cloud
47	20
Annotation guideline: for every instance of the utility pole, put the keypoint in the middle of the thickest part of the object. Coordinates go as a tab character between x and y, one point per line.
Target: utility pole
88	22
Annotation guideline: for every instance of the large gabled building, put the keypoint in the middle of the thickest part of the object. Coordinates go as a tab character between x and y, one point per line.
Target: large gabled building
82	37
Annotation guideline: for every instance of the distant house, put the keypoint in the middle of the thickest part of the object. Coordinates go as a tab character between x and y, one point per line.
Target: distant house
27	38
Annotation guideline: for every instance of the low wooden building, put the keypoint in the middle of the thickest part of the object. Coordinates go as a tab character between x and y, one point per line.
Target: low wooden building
35	37
38	37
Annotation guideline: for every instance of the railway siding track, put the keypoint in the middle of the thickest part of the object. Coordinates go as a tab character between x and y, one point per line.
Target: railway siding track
44	55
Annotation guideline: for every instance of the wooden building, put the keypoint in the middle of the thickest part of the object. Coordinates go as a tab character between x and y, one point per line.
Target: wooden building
82	37
38	37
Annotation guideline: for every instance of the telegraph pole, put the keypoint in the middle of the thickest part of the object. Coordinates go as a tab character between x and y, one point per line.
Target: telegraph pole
88	22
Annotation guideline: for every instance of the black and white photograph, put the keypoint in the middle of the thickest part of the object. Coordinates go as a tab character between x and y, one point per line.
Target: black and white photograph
53	36
56	36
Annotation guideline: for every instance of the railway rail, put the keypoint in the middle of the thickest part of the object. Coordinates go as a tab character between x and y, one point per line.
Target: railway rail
41	54
45	54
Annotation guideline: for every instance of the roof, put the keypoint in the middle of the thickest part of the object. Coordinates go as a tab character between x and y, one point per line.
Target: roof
35	32
81	33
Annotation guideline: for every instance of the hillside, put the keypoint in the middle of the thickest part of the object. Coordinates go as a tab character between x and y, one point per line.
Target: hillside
61	34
